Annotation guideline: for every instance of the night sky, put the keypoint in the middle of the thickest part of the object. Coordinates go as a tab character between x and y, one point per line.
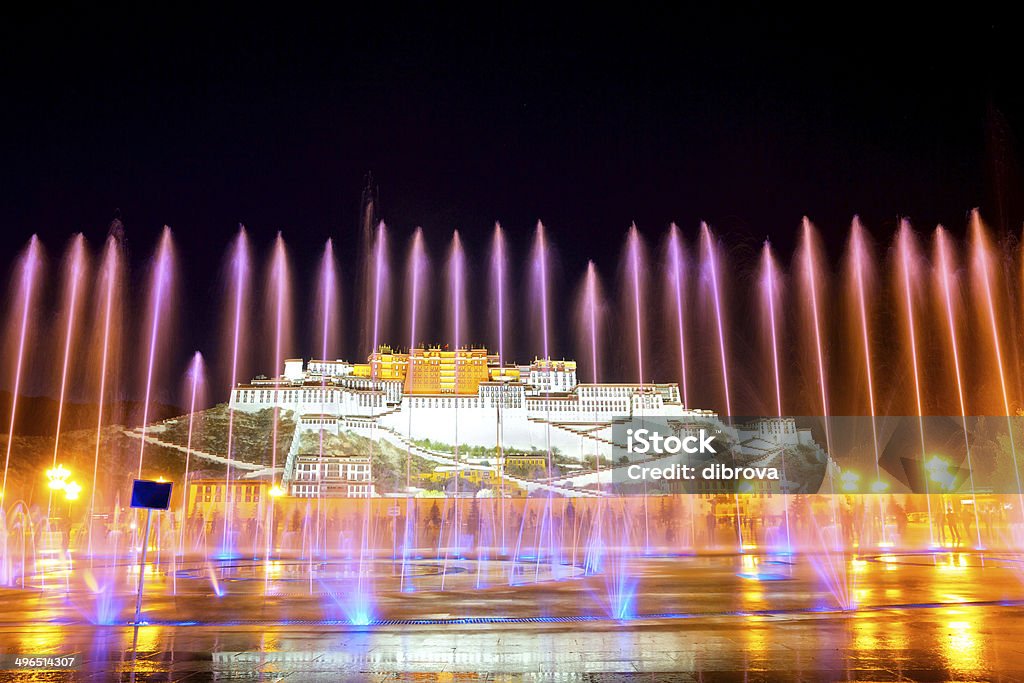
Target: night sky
585	120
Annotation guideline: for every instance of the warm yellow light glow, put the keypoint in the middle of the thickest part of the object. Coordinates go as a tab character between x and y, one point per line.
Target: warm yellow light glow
954	564
276	491
963	648
939	471
879	486
71	490
57	477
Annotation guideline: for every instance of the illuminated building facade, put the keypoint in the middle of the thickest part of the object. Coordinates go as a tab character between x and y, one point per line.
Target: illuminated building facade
424	370
459	396
332	476
207	497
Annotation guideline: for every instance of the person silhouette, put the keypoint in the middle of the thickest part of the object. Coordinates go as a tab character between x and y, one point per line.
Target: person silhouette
953	524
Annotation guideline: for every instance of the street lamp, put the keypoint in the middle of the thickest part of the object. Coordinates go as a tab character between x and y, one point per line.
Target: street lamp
57	477
276	491
71	490
879	486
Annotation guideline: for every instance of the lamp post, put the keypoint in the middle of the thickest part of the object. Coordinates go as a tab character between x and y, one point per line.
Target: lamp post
58	478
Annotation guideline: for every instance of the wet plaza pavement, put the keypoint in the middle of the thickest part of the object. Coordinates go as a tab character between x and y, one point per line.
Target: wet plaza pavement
943	616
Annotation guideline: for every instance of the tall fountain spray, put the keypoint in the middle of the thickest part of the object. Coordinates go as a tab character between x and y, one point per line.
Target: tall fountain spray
831	565
812	277
589	323
592	318
607	541
982	262
709	257
946	275
635	269
908	274
456	313
29	265
499	268
361	608
770	295
326	311
239	292
540	298
861	258
160	285
108	283
770	288
416	270
592	313
380	279
499	287
278	302
194	380
74	284
677	280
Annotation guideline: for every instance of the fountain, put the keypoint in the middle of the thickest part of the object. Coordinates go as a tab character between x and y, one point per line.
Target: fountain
109	282
945	275
239	265
450	474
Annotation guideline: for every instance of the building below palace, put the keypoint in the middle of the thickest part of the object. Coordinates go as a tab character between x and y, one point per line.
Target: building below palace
206	497
332	476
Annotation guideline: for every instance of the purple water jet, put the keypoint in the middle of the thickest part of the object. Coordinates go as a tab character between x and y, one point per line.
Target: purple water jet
710	259
74	274
677	275
109	281
239	288
158	304
29	265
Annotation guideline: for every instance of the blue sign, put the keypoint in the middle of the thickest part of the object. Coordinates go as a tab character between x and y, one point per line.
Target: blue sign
154	495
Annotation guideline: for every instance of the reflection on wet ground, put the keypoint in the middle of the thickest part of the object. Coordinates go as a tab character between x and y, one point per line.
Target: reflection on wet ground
919	617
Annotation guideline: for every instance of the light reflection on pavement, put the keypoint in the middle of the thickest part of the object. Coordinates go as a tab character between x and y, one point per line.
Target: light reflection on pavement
922	616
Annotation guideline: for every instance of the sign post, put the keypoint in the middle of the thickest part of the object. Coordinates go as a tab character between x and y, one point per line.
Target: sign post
148	495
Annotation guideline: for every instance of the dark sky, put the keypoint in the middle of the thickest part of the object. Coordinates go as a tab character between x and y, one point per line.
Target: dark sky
588	120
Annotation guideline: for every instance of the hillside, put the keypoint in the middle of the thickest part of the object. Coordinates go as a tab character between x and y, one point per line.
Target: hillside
116	466
251	439
388	461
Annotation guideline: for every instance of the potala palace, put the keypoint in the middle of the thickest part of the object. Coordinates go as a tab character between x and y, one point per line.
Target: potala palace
467	397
